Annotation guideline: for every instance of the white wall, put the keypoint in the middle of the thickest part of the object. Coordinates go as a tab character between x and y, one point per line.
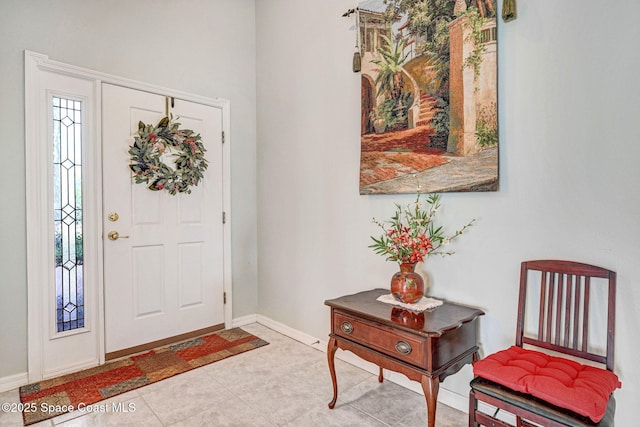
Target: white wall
203	47
569	106
568	101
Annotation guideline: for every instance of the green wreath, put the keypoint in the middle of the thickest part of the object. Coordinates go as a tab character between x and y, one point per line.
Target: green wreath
153	143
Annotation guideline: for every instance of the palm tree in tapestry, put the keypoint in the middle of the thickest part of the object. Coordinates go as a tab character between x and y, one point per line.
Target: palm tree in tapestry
389	78
428	22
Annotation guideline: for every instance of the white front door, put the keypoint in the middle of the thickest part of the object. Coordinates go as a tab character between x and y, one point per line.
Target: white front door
163	276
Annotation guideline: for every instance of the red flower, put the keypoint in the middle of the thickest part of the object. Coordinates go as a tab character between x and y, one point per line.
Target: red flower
153	136
192	144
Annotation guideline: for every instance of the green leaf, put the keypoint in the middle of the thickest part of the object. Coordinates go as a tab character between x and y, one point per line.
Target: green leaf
164	122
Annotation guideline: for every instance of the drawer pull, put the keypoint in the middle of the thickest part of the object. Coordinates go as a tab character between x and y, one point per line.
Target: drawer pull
346	327
403	347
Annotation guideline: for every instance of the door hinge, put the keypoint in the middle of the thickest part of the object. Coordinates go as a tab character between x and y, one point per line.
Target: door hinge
223	137
224	297
224	217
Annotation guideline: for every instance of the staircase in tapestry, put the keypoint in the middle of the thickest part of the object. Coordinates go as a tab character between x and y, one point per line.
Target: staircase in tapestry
427	102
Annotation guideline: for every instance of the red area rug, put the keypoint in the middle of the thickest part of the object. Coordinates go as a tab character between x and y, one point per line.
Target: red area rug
49	398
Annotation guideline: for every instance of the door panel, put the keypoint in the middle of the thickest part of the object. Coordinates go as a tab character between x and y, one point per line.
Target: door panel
166	277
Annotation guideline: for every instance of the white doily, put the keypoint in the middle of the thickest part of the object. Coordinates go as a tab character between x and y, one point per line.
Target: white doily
425	303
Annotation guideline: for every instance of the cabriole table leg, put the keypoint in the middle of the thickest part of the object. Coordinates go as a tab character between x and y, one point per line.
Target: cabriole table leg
430	387
331	352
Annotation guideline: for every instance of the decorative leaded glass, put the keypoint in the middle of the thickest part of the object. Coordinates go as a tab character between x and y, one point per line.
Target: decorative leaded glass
67	190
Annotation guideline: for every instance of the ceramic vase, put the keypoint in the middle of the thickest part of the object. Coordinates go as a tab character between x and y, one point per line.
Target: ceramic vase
406	285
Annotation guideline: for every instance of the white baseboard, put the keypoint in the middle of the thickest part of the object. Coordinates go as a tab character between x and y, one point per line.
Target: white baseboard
288	331
244	320
445	396
13	381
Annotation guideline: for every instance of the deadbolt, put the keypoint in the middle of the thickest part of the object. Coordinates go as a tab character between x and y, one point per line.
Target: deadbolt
114	235
113	216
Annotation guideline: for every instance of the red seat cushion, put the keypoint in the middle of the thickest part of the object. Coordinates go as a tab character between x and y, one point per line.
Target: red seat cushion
562	382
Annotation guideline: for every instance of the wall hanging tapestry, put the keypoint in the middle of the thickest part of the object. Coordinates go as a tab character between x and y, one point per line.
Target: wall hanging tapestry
156	147
78	391
429	117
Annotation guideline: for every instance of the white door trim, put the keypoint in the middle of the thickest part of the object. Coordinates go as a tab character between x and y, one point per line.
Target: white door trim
37	213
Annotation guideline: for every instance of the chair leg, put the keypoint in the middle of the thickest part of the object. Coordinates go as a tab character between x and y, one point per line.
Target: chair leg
473	407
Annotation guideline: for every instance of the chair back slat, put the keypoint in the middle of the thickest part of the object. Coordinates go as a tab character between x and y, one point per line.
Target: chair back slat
568	310
541	316
564	309
559	307
585	330
576	312
549	304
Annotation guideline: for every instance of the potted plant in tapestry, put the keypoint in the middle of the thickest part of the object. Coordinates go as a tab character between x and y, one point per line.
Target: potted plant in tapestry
428	77
409	237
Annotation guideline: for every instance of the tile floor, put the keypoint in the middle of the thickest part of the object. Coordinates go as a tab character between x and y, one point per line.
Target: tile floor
285	383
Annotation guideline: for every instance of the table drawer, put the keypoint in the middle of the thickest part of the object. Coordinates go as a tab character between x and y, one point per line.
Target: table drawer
400	345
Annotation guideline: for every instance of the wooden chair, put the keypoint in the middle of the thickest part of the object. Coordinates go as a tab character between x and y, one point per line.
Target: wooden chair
567	300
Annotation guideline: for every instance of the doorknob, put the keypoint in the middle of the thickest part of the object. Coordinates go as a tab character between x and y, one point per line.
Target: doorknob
114	235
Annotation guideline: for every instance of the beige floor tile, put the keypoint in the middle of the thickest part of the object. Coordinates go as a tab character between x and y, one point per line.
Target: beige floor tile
9	415
285	383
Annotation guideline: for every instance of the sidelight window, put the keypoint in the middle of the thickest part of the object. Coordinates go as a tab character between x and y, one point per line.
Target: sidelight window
67	192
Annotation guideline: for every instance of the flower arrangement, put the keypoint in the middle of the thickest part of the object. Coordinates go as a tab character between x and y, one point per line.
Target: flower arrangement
411	235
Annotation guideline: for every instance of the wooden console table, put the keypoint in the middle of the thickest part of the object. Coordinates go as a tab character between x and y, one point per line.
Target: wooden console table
426	347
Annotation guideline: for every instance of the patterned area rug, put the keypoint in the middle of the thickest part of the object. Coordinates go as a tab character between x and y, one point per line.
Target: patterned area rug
56	396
